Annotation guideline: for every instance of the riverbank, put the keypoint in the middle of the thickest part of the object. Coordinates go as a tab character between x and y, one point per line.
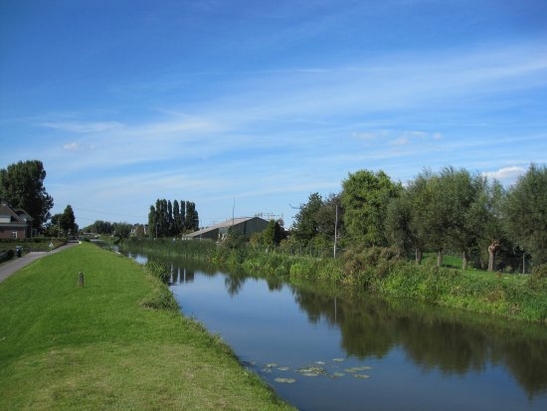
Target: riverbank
107	345
379	271
376	270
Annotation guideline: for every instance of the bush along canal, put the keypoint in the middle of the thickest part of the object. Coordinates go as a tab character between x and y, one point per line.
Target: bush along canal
326	351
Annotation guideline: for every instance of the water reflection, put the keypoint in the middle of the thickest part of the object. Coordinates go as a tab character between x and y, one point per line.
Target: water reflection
435	340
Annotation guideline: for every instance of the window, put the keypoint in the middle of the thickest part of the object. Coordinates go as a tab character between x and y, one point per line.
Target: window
14	234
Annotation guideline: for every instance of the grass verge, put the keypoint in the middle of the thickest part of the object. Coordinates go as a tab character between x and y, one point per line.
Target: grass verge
102	346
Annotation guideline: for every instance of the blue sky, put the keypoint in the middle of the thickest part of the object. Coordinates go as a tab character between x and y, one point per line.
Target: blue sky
262	103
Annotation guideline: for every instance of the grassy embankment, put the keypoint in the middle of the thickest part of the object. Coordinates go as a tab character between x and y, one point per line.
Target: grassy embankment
119	342
377	270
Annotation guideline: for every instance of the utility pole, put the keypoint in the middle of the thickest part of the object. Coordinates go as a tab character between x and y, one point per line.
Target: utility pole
335	230
233	211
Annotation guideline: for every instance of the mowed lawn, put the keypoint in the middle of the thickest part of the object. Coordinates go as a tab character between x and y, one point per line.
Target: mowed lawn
101	346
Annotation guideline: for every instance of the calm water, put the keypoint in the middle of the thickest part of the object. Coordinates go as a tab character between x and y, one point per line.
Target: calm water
326	353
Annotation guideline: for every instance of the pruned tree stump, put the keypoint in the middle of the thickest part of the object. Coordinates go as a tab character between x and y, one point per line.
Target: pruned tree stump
80	279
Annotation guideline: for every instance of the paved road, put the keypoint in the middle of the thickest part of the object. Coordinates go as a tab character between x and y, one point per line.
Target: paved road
9	267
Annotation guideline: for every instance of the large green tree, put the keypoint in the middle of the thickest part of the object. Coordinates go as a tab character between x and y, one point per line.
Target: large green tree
466	207
448	211
525	213
121	230
22	186
365	196
398	225
494	236
431	214
191	220
272	234
67	221
99	227
305	226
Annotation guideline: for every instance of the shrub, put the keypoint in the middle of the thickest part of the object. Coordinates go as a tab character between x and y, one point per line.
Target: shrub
538	279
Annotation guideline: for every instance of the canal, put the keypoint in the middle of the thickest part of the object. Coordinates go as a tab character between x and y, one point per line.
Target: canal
335	352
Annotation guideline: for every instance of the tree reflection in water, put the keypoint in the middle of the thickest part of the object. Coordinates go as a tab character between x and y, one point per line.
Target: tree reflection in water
434	338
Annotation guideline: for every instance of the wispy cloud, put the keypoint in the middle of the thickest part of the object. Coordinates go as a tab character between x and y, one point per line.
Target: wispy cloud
83	127
320	123
506	174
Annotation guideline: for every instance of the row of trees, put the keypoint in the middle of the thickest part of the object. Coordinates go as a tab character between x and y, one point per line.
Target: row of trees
449	211
118	229
172	218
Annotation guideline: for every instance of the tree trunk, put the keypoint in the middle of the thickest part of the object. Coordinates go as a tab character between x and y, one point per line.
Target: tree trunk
464	260
419	255
439	258
492	248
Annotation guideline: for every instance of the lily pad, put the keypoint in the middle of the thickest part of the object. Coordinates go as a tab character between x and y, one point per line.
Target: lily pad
361	376
338	375
283	368
338	359
357	369
312	371
285	380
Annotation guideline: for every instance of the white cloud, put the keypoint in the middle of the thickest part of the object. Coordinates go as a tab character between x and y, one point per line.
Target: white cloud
506	175
71	146
83	127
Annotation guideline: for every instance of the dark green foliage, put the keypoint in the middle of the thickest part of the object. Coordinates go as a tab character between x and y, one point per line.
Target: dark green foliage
271	236
399	231
22	186
121	230
538	279
360	258
365	196
67	221
99	227
305	225
167	219
525	213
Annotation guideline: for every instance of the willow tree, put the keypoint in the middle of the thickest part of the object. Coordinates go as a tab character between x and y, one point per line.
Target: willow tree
398	226
365	197
467	205
525	213
447	211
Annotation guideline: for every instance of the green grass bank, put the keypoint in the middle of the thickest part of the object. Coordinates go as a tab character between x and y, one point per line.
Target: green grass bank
379	271
117	343
376	270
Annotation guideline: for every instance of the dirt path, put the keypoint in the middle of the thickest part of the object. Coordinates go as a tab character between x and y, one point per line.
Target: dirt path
15	264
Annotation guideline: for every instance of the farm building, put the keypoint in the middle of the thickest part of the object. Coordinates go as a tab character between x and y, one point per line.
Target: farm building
245	225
